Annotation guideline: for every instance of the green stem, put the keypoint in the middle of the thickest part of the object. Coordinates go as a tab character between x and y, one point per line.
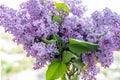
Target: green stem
71	72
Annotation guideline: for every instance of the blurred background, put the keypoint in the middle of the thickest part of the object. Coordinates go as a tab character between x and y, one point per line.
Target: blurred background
14	65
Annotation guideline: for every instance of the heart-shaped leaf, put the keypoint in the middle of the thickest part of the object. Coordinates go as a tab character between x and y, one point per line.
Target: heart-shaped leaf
55	70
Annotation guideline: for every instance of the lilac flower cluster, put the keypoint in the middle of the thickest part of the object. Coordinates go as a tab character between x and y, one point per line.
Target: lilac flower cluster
33	22
28	25
76	7
90	69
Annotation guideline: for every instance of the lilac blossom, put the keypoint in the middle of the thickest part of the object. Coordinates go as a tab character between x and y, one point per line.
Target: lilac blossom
76	7
43	53
90	70
105	54
33	22
71	28
25	30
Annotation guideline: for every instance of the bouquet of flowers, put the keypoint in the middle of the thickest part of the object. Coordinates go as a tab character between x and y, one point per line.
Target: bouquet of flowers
57	34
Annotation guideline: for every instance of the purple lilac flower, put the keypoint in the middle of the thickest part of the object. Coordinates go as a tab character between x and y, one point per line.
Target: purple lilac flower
110	17
105	55
91	70
34	9
92	37
76	7
90	73
34	21
115	30
105	58
105	17
25	30
71	28
43	53
97	18
106	42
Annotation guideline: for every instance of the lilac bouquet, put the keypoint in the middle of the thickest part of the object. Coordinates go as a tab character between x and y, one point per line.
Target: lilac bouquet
57	34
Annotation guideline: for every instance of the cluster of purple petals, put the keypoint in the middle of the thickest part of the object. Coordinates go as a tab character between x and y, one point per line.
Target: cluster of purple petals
76	7
28	25
43	53
106	23
90	70
34	21
105	31
72	28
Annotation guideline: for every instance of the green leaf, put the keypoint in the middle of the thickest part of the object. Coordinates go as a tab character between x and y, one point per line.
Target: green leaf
55	70
61	6
64	78
57	38
75	77
59	42
48	41
55	18
80	47
67	56
78	63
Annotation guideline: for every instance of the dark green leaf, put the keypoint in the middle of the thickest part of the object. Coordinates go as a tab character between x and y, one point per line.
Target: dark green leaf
56	19
48	41
59	42
61	6
80	47
78	63
57	38
55	70
67	56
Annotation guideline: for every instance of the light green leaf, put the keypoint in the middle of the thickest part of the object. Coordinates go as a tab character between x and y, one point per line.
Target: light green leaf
55	18
61	6
67	56
48	41
55	70
80	47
